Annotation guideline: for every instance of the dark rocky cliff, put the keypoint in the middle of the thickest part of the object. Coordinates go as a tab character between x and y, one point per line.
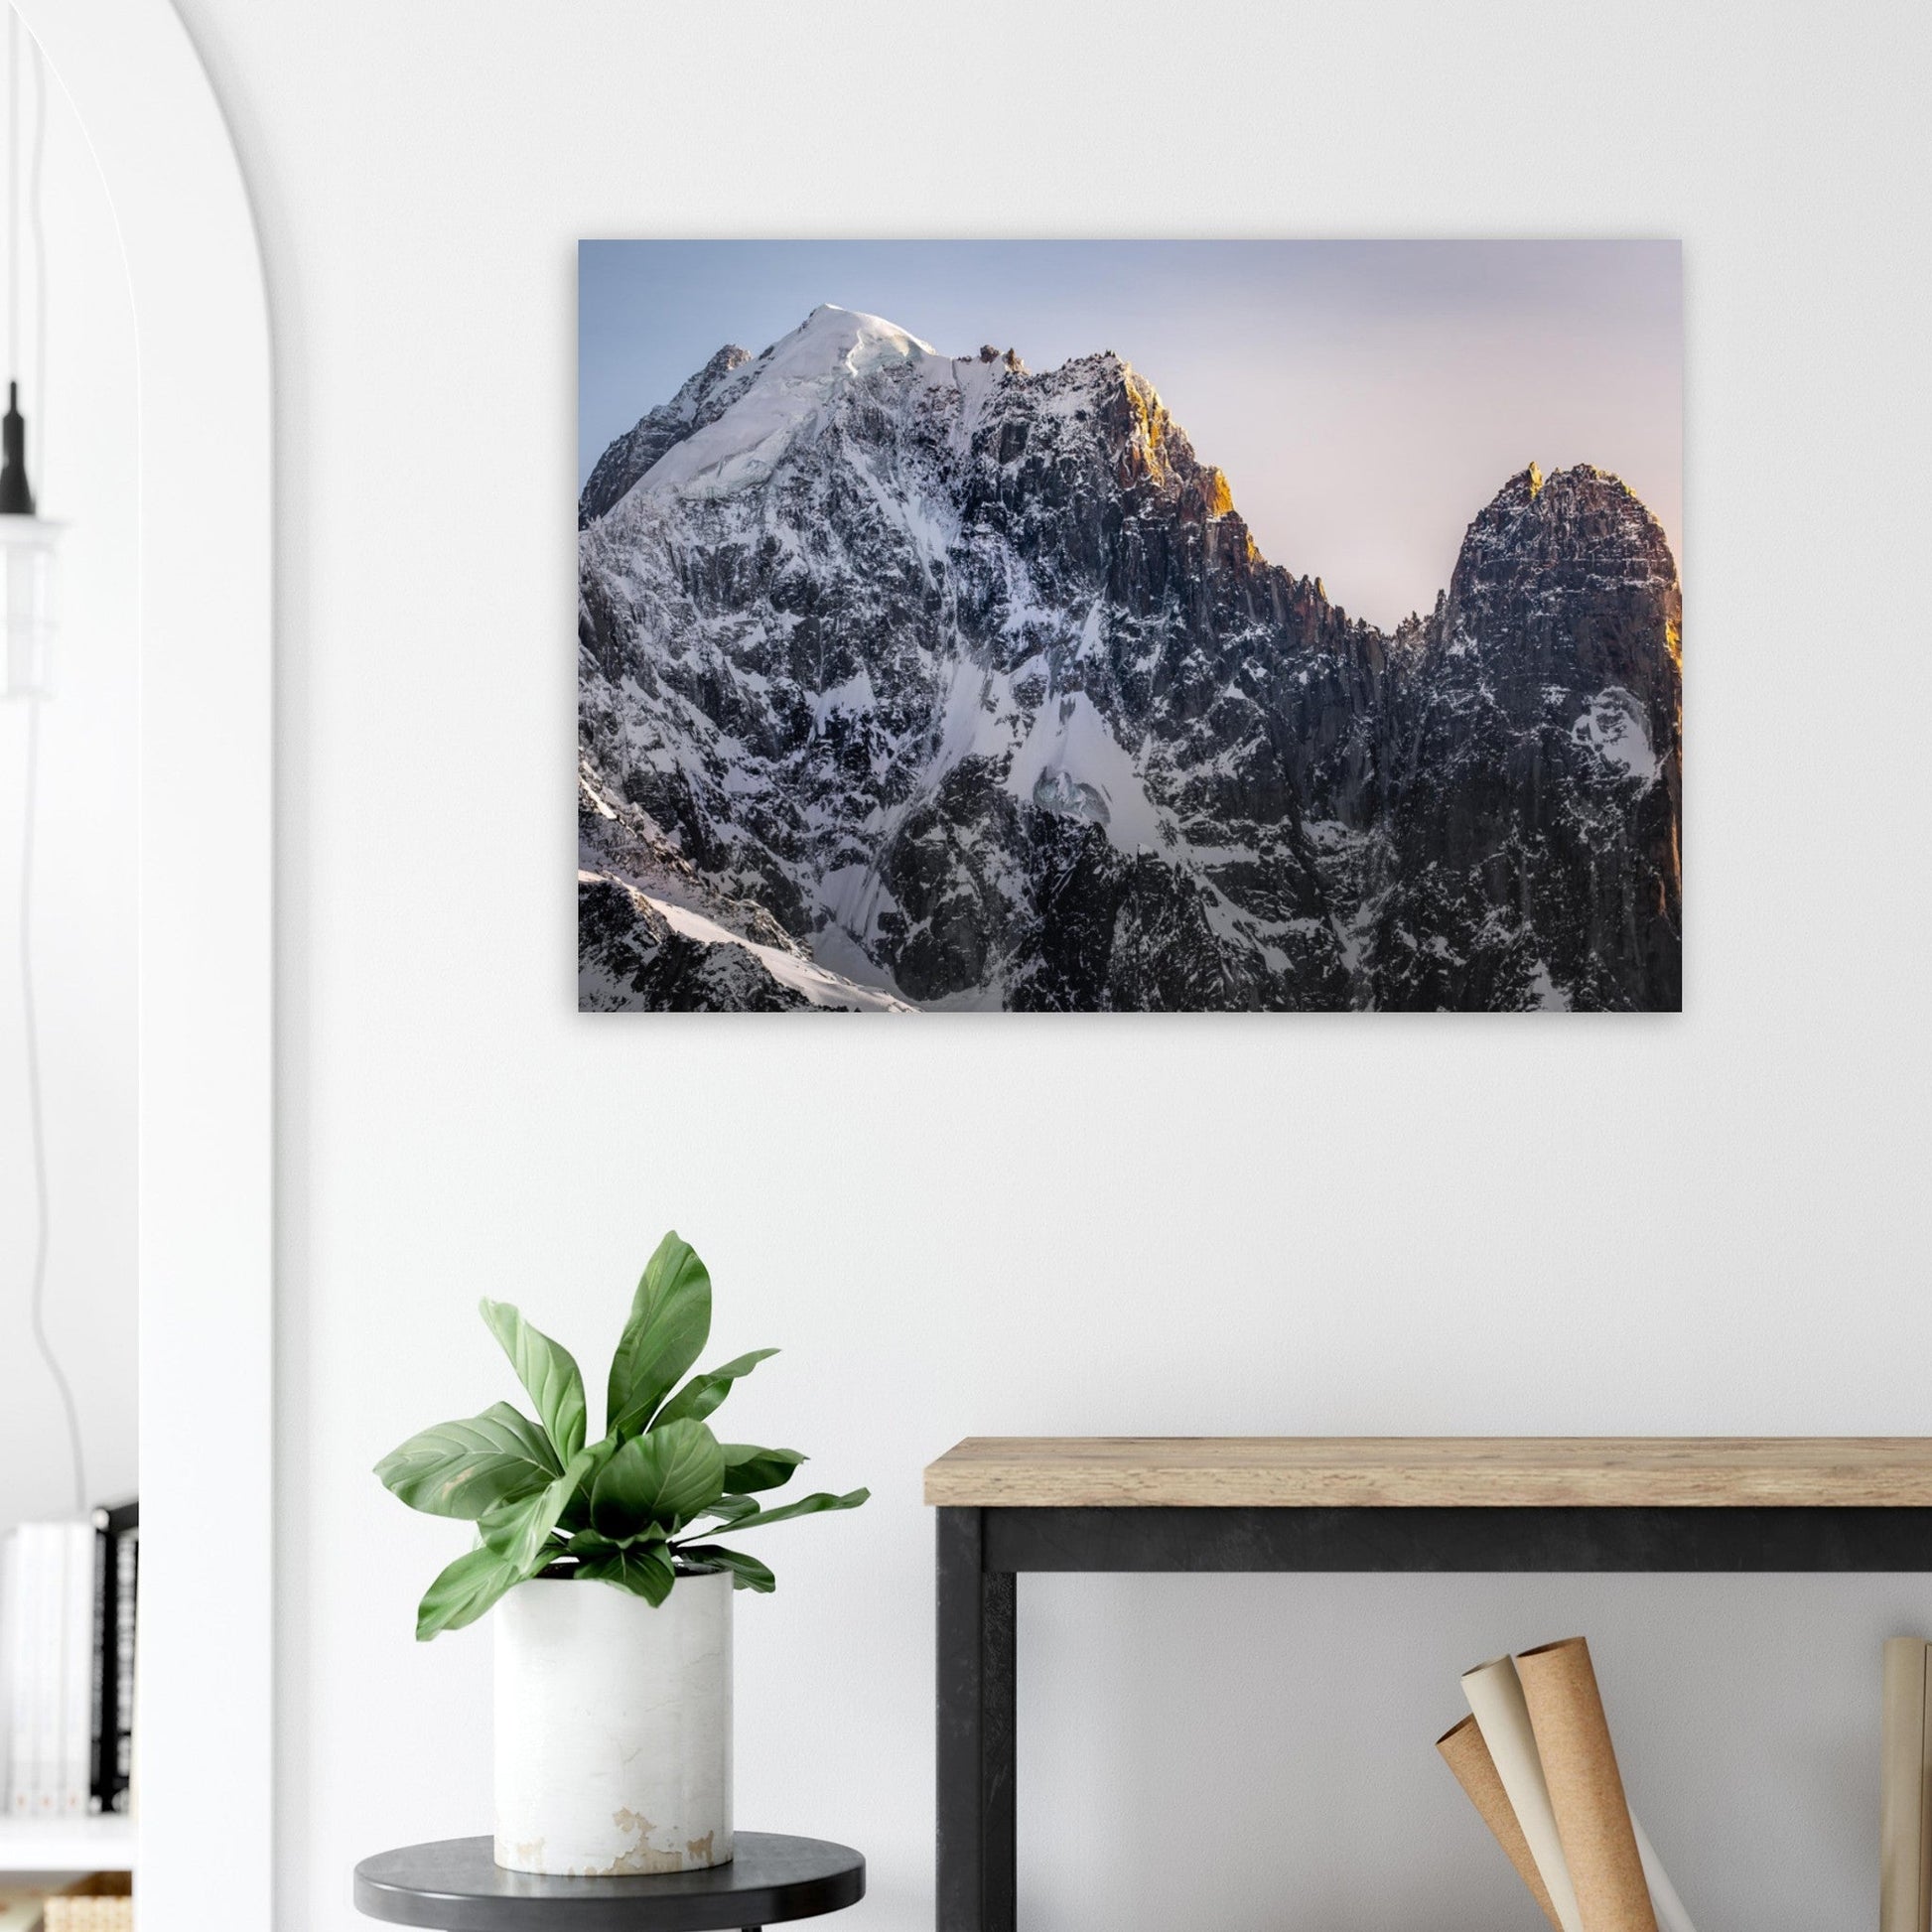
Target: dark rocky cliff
1538	792
702	400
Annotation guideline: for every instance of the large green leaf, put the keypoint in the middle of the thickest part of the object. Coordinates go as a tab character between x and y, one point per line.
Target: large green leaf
577	1512
749	1467
732	1509
548	1370
670	1319
587	1542
747	1573
643	1569
521	1532
464	1592
804	1506
617	1507
667	1476
467	1468
703	1393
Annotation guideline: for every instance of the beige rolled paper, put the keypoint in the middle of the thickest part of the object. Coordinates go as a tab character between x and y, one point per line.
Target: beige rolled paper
1468	1758
1573	1738
1905	1844
1664	1902
1496	1698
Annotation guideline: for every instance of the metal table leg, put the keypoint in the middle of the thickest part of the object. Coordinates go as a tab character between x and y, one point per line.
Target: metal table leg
976	1730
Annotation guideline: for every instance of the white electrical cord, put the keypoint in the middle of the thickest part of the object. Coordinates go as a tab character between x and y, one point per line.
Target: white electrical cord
43	1219
13	191
35	1113
35	211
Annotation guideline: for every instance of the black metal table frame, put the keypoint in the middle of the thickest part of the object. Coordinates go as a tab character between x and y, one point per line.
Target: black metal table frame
982	1553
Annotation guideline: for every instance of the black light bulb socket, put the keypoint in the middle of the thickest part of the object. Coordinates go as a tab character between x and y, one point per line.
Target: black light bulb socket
16	492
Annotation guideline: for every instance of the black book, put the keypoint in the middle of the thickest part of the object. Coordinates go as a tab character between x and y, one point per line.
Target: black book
117	1543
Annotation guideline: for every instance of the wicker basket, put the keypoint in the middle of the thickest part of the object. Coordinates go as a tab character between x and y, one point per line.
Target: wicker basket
88	1915
101	1903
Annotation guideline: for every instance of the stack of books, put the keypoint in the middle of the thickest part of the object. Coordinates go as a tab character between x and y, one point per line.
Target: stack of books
68	1599
1536	1761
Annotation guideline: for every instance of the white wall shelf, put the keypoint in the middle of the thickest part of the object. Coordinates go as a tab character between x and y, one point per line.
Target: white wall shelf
67	1844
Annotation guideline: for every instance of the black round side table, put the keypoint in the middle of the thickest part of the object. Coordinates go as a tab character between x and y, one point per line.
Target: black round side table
457	1885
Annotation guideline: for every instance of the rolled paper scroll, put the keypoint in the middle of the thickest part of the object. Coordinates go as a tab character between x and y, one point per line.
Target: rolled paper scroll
1496	1697
1468	1758
1573	1738
1671	1916
1903	1839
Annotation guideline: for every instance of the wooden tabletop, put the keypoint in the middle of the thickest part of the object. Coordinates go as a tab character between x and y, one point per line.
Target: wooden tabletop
1441	1471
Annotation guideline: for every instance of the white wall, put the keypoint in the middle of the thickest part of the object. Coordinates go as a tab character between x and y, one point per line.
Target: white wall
1713	1223
82	449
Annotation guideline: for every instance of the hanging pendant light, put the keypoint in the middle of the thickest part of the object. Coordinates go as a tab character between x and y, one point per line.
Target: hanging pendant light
26	565
25	538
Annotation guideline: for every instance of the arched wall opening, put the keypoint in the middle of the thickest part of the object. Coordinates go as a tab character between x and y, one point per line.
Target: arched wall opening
197	912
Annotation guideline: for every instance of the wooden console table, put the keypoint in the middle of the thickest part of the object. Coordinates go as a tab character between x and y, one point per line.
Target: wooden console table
1008	1504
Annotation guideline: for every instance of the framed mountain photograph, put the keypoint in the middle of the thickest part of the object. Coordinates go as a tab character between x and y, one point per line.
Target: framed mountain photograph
1113	626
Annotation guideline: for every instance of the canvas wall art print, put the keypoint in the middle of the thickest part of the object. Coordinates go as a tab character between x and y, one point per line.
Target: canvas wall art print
1104	627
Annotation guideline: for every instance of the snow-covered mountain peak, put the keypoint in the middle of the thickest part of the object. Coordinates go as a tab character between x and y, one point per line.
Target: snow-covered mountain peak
787	393
831	338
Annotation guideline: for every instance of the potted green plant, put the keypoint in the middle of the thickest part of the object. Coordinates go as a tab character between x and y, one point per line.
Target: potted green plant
613	1705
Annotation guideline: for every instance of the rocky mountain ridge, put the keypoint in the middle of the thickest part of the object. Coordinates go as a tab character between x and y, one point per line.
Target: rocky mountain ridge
910	679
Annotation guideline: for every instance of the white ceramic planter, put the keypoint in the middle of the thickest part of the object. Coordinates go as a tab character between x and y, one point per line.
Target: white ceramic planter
613	1728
